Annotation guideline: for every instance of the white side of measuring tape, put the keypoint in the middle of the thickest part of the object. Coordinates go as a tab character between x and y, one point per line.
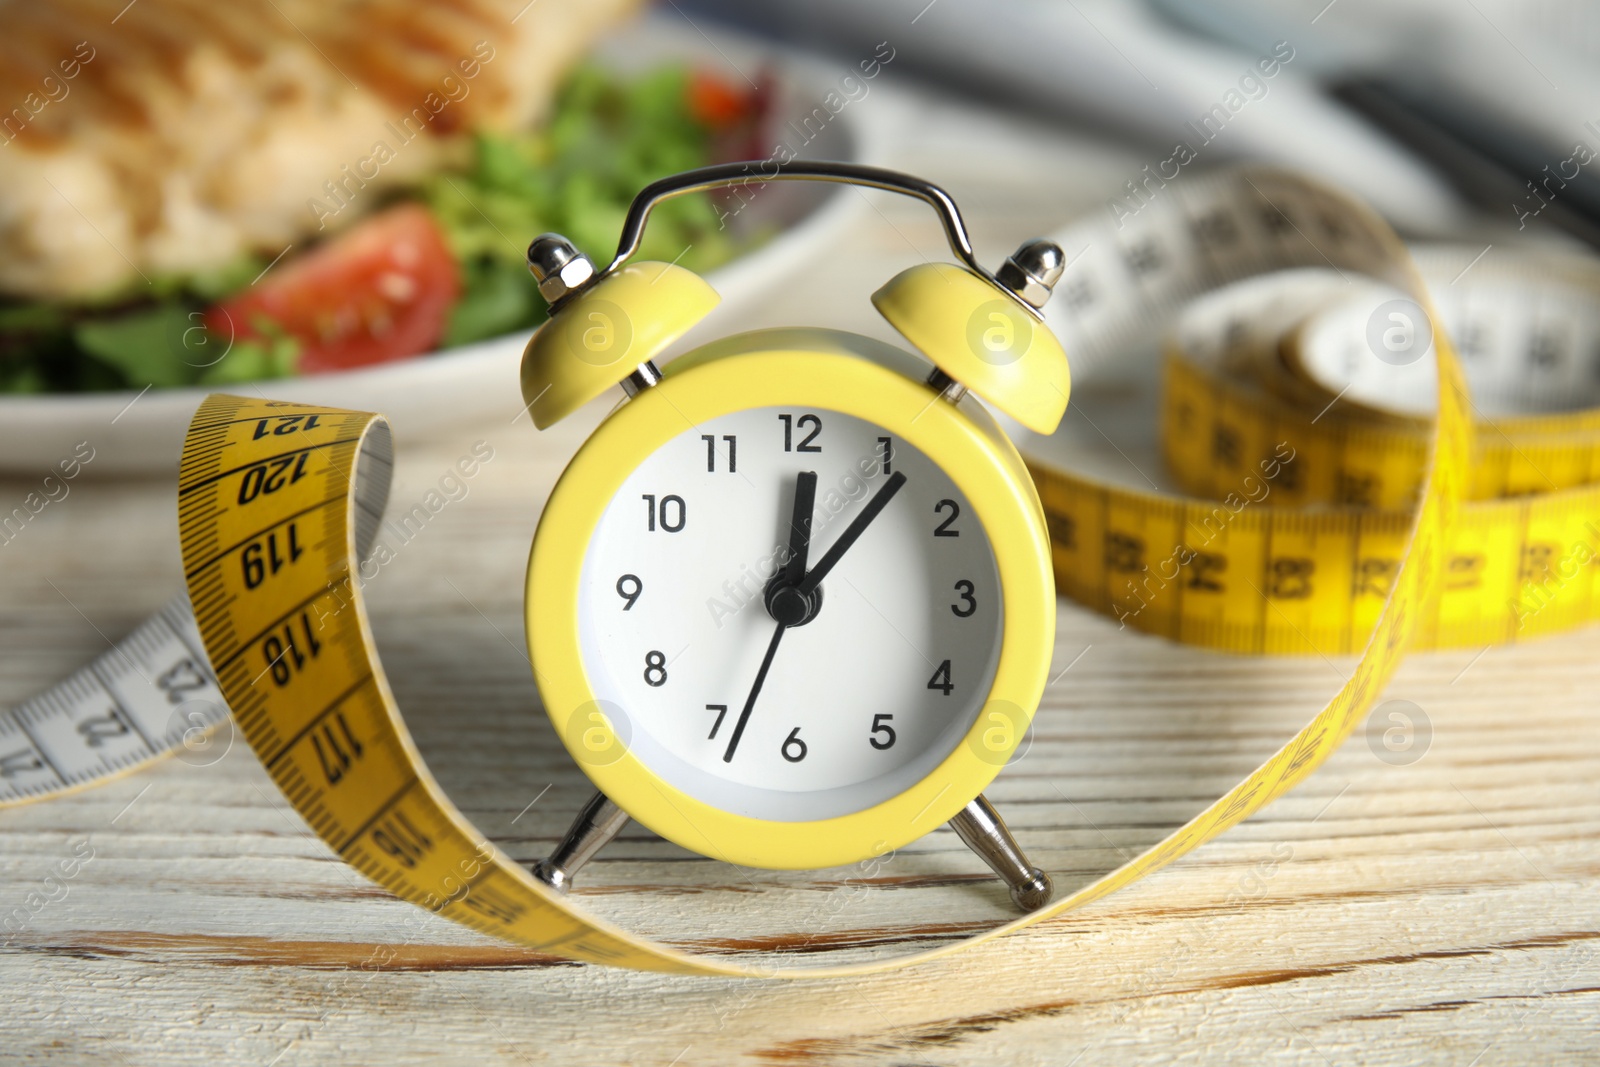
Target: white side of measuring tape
151	694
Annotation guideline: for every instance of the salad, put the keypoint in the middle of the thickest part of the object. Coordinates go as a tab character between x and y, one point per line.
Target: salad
438	266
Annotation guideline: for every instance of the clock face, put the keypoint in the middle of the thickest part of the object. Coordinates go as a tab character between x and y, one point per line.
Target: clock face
893	657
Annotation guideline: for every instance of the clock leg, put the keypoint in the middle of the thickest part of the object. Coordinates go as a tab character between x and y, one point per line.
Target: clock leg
981	827
597	823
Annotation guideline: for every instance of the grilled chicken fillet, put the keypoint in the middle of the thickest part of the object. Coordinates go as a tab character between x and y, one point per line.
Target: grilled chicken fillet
174	136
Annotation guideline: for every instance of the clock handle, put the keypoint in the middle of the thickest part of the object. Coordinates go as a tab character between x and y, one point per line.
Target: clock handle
597	823
722	175
981	827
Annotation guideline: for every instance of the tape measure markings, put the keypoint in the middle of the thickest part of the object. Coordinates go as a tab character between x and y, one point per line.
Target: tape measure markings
272	756
136	702
1354	587
332	501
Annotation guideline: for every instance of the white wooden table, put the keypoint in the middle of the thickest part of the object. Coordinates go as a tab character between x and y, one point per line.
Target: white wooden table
1442	906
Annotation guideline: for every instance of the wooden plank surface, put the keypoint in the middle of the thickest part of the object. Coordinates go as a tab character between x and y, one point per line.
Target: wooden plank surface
1436	905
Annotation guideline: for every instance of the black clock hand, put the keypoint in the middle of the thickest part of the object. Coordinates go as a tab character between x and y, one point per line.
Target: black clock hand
755	691
805	497
858	527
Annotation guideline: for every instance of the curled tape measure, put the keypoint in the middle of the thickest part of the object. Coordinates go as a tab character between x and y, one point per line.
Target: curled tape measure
278	503
1295	418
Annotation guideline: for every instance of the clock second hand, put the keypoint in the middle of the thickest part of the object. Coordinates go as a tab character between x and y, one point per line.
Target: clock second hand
799	594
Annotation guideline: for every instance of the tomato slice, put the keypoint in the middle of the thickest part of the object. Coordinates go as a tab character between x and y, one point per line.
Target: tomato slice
381	291
735	116
717	104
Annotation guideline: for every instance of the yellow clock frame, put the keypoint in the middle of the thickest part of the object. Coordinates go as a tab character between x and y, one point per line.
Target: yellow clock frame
827	370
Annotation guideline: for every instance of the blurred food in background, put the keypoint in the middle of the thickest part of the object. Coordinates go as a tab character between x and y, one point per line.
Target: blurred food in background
200	194
310	187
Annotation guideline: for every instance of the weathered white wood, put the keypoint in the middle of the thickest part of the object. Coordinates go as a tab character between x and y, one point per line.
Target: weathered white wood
1444	911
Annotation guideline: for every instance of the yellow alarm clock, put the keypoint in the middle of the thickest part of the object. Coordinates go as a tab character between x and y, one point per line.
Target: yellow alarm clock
791	604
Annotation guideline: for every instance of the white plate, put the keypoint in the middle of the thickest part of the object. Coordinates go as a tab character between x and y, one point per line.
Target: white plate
143	432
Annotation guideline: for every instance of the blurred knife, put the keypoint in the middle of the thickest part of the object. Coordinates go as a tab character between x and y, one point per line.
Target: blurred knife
1503	170
1119	68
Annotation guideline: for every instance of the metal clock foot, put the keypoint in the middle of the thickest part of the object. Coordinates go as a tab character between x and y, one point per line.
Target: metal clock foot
981	827
597	823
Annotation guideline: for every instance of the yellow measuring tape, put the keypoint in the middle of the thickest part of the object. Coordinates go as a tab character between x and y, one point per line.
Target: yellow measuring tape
1296	445
279	502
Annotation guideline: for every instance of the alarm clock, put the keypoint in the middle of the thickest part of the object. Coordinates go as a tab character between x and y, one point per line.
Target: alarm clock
791	605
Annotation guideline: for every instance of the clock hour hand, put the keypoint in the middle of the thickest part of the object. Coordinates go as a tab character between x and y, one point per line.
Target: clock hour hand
856	528
805	499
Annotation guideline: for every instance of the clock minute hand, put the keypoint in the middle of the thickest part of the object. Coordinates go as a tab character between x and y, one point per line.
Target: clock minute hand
856	528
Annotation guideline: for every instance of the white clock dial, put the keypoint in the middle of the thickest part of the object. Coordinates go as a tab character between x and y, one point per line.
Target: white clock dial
860	701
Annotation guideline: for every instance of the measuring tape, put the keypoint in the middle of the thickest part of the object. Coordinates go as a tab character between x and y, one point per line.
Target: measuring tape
1274	511
278	502
150	695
